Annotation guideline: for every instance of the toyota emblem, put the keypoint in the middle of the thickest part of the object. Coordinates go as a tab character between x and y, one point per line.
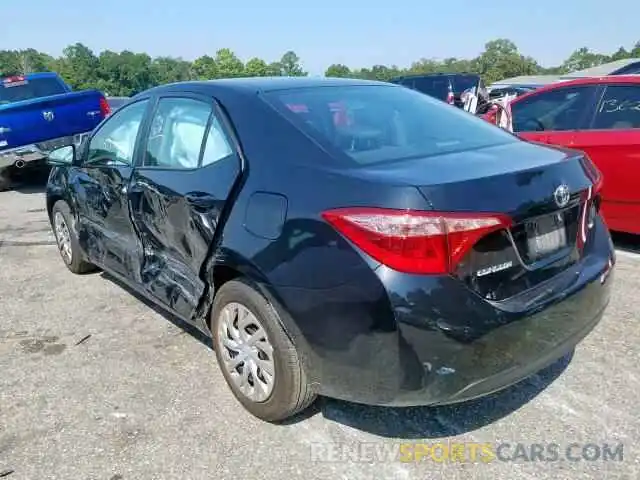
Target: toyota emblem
562	195
48	115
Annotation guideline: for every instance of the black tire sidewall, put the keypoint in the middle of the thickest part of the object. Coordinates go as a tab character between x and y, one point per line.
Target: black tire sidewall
6	182
285	391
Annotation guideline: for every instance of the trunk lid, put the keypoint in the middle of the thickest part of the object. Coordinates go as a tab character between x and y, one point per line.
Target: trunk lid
41	119
548	193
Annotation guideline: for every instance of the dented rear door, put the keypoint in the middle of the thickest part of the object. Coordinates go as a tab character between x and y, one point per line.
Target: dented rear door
178	194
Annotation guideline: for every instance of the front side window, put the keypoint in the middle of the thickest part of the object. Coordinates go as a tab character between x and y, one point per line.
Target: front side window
619	108
177	132
114	143
384	123
556	110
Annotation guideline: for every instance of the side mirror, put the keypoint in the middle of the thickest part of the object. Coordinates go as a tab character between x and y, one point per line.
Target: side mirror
62	156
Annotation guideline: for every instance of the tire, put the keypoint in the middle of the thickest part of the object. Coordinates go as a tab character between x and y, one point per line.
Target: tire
290	391
5	182
61	218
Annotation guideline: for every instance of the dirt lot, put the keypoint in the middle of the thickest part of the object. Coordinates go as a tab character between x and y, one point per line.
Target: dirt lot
140	398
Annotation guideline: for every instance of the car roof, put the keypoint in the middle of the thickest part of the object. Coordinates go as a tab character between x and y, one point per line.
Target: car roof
607	80
440	74
264	84
592	81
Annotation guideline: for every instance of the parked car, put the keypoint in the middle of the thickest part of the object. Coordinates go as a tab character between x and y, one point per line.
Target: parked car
413	255
117	102
499	92
600	116
448	87
39	112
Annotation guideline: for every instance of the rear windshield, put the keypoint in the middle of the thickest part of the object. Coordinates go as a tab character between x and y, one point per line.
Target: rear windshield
17	90
435	86
464	82
373	124
438	86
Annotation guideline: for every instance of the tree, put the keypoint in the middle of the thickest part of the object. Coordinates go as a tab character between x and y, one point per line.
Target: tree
204	68
501	59
79	66
584	58
621	54
256	67
169	70
227	64
9	63
337	70
127	72
275	69
290	65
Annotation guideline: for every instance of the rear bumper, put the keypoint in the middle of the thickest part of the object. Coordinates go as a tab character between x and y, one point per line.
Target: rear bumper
35	154
433	342
455	371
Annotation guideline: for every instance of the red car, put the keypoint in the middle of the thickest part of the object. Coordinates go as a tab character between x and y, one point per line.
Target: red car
600	116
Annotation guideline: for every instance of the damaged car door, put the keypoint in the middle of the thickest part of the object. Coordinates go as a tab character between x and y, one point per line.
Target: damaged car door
185	175
101	182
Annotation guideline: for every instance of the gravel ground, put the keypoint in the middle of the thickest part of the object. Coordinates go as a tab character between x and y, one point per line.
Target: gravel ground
95	384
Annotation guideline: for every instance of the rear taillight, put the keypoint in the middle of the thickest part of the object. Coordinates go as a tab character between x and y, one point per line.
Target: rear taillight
594	174
590	201
420	242
105	108
14	81
450	96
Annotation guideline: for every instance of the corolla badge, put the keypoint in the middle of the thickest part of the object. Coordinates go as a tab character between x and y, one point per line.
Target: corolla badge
562	195
48	115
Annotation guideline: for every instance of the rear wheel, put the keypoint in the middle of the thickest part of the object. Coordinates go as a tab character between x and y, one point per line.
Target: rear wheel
257	358
67	240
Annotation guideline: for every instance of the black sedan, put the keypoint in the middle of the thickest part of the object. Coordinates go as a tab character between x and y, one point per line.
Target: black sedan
338	237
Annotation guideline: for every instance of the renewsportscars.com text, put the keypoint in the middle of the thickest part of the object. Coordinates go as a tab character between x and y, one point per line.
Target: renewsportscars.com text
516	452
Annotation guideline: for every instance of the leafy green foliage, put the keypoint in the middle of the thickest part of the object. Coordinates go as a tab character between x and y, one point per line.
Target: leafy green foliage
127	73
500	59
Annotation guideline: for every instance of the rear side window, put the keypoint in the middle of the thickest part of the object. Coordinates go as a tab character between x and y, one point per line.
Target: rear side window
17	89
178	131
619	108
373	124
555	110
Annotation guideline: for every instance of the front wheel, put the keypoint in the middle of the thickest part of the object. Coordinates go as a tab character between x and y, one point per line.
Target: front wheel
67	240
258	360
5	182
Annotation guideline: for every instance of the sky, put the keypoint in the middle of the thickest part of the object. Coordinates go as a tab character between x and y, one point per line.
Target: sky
358	33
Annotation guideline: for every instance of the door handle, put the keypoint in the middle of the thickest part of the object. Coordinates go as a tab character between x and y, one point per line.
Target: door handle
202	201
